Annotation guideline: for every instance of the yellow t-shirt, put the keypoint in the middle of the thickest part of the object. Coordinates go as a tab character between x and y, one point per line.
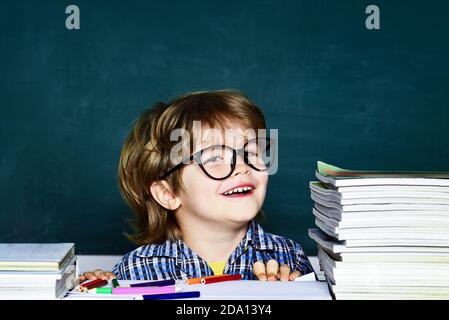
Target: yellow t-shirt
217	267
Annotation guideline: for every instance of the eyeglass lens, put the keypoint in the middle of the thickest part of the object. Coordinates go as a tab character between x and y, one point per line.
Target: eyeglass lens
217	160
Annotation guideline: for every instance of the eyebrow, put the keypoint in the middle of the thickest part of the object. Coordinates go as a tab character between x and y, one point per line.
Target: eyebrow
204	145
209	143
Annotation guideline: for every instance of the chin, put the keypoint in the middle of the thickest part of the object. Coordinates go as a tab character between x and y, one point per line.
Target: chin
241	217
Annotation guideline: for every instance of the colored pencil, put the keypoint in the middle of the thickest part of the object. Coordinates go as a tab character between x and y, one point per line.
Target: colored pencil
161	283
115	283
179	295
198	280
92	284
223	278
136	291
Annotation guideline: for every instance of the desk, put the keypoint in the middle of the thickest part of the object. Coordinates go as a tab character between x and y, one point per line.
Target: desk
232	290
235	290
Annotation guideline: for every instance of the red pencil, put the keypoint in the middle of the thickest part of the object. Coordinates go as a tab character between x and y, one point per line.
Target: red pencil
93	284
86	284
227	277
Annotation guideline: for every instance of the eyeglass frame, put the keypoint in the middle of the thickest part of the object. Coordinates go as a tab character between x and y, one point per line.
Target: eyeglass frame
235	152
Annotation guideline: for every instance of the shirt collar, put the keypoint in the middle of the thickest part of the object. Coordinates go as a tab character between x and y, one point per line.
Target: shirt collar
169	248
255	237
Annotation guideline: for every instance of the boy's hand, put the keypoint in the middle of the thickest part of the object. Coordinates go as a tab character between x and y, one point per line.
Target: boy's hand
97	274
273	272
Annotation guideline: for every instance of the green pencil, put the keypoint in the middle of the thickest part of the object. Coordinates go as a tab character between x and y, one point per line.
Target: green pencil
101	290
115	283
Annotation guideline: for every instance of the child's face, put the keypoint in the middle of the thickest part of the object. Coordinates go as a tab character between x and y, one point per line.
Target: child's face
204	196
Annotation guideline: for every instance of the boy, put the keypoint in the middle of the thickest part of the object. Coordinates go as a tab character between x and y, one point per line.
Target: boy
197	201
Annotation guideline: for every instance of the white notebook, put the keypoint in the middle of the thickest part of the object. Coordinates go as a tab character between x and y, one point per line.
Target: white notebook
35	256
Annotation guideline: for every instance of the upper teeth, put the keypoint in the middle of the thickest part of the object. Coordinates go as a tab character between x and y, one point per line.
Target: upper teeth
238	190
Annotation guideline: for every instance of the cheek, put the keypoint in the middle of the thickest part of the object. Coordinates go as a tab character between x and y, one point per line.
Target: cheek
262	183
197	184
262	180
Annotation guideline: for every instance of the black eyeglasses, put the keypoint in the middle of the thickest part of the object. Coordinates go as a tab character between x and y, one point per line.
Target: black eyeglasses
218	162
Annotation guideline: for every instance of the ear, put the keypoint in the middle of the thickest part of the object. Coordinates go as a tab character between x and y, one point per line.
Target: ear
160	190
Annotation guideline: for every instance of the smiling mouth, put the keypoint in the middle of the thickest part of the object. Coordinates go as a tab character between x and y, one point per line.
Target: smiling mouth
239	194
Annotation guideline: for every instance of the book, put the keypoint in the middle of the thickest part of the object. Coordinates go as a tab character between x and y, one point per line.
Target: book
335	246
386	274
382	234
385	204
379	218
376	178
334	171
35	256
37	271
22	285
323	192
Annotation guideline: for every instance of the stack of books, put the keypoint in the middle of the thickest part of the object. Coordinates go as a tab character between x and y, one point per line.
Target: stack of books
382	235
37	271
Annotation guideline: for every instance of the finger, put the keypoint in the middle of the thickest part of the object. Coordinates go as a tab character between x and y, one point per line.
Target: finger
294	275
259	271
82	279
103	277
89	276
98	273
109	275
272	270
284	272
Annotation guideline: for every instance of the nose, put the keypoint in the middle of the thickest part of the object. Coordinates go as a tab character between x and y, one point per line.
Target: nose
241	167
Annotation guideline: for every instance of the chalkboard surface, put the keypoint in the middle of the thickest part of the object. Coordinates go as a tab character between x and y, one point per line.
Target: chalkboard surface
337	92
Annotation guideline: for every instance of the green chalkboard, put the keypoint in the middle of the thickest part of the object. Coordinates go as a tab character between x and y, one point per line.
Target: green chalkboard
337	92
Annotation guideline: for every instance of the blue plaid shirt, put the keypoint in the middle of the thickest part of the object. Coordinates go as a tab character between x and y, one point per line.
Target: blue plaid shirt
174	260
